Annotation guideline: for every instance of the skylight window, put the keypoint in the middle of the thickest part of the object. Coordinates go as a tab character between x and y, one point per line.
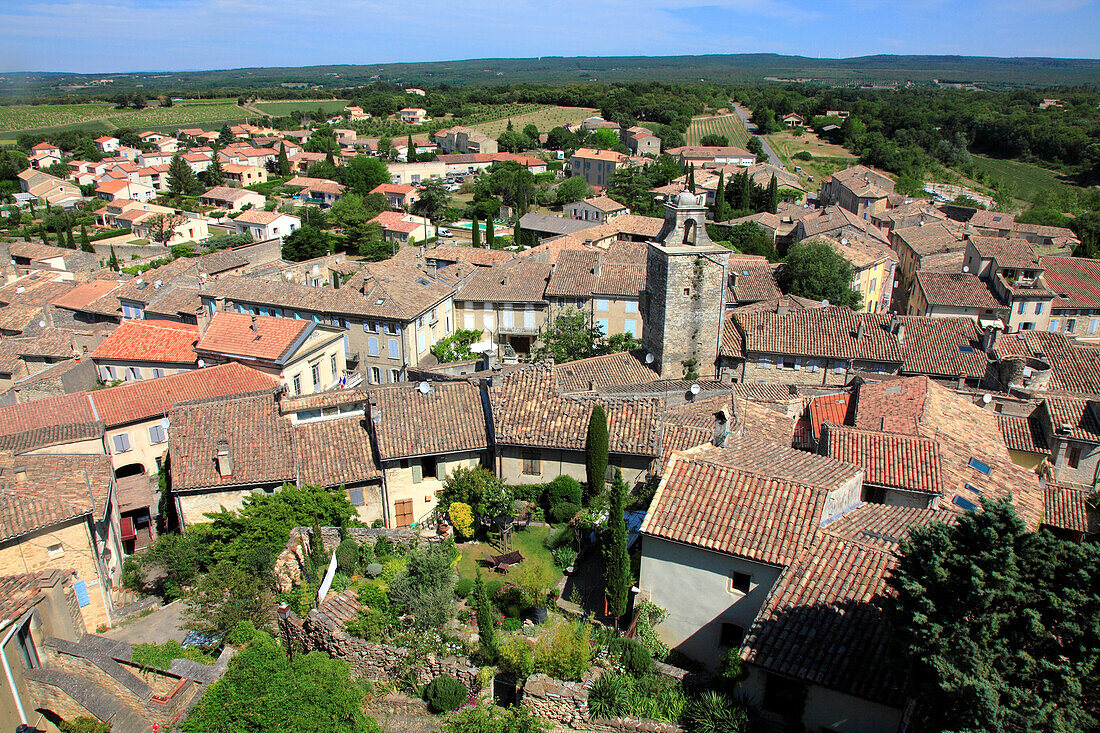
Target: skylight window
964	503
380	301
979	466
966	349
974	488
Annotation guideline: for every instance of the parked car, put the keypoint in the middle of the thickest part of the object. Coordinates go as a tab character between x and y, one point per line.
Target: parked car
444	232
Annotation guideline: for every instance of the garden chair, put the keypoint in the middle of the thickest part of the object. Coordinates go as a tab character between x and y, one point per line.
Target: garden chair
501	563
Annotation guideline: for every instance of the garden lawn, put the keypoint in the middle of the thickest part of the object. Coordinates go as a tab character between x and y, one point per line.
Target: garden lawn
528	542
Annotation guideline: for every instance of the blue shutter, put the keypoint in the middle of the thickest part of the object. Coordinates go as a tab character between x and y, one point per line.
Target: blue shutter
81	589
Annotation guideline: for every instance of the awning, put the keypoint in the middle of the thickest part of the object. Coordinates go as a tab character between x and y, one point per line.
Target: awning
128	532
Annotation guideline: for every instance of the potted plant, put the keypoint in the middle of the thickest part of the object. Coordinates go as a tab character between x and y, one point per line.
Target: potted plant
534	580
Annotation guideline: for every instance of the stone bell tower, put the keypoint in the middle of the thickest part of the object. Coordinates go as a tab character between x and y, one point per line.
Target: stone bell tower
685	291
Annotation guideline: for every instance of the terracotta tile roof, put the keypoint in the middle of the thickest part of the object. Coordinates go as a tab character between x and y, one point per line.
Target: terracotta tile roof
1022	434
604	203
150	398
781	461
255	216
273	339
596	372
1074	369
893	405
929	239
551	248
473	255
335	452
64	410
833	408
225	193
34	288
45	436
861	250
1075	280
83	295
884	526
754	282
1066	508
943	347
449	419
763	422
905	462
392	188
717	507
319	400
957	289
175	300
20	593
764	392
149	341
528	411
1011	253
515	281
605	155
54	489
631	225
1079	415
826	332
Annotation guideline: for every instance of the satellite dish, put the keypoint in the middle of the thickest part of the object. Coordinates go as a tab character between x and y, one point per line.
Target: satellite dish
649	358
424	388
987	398
694	389
201	363
825	303
164	423
41	324
966	268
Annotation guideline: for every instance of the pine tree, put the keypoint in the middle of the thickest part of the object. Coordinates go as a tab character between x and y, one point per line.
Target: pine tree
720	213
773	195
595	451
475	233
181	179
215	174
225	135
112	261
283	168
484	615
510	128
489	232
617	578
691	178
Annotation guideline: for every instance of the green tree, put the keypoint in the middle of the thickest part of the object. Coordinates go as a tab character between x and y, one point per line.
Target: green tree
773	195
489	232
714	140
571	337
181	179
691	178
69	241
425	590
750	238
282	165
617	577
45	233
305	243
433	200
531	131
85	243
112	261
363	173
225	136
486	718
369	240
214	173
996	625
475	232
176	556
815	270
571	190
721	208
263	691
632	188
483	611
226	596
746	187
595	451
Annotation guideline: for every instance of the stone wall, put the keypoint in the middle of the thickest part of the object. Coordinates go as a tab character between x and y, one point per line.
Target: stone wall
370	660
565	706
292	560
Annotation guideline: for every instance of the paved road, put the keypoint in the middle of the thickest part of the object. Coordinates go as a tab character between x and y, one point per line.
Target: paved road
158	627
772	157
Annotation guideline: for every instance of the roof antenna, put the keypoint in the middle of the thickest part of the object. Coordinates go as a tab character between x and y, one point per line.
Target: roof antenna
253	325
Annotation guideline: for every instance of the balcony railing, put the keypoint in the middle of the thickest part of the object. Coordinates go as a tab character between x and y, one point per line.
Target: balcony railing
519	330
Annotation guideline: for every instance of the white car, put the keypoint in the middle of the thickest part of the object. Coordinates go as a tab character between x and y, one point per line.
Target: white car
443	232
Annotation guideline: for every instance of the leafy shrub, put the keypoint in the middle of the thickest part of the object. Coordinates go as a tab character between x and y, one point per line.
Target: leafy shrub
84	724
463	587
564	556
558	538
133	577
608	697
515	656
511	600
563	651
649	615
493	719
376	619
564	512
366	555
391	566
160	656
731	671
347	556
713	712
512	624
493	587
803	155
462	517
383	546
529	492
635	658
445	693
563	489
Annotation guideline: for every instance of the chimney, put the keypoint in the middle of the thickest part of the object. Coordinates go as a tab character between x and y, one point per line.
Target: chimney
859	330
899	329
1063	429
783	307
989	338
20	473
733	279
224	459
253	325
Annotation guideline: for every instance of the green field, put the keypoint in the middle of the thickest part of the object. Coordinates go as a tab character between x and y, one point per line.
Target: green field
728	125
544	117
45	118
279	108
24	117
1024	179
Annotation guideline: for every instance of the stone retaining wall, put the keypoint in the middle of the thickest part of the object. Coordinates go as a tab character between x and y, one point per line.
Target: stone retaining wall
565	706
292	560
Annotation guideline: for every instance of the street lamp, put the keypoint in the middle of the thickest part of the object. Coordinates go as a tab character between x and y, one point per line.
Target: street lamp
283	612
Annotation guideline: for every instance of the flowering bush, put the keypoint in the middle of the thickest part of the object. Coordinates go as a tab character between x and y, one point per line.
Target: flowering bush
462	517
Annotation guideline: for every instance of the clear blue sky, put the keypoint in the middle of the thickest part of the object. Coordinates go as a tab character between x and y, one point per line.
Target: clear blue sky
142	35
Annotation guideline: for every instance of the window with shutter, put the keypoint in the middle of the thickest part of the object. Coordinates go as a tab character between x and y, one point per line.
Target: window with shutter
417	473
122	443
355	496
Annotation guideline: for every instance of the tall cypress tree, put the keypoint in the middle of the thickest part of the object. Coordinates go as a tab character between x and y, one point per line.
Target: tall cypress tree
215	174
45	234
85	243
595	451
517	234
617	579
225	135
410	156
69	241
475	233
112	261
691	178
489	232
773	195
746	193
720	213
483	614
283	163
